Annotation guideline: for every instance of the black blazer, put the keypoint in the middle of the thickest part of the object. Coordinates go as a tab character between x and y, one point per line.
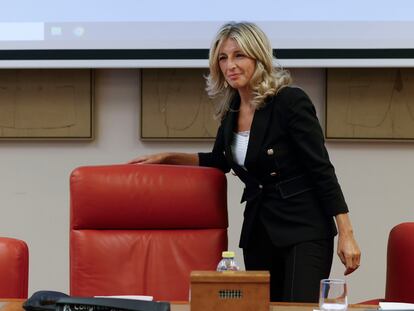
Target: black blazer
291	186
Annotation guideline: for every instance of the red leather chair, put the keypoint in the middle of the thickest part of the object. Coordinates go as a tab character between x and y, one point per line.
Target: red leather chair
14	268
141	229
400	265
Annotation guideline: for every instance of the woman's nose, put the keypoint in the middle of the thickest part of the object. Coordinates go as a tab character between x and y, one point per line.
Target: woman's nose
231	63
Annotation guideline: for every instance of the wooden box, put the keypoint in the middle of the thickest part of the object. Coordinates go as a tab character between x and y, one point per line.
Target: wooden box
229	290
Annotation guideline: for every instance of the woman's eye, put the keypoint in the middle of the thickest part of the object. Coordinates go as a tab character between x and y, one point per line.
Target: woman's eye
240	55
222	57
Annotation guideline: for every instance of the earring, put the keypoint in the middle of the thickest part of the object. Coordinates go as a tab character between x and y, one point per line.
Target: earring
226	84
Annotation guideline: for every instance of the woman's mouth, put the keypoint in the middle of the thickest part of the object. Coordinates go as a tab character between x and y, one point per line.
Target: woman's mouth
234	76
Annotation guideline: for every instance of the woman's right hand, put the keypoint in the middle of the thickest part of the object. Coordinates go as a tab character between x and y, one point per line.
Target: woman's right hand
157	158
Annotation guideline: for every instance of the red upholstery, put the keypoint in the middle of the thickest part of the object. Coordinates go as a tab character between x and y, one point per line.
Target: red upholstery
400	265
141	229
14	268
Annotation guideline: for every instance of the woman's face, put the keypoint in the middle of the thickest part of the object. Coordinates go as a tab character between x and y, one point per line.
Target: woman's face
235	65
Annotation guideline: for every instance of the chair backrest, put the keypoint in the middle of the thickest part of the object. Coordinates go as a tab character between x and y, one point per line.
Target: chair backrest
141	229
400	264
14	268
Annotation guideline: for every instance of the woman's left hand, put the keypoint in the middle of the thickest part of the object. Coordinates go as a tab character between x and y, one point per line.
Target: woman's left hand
349	252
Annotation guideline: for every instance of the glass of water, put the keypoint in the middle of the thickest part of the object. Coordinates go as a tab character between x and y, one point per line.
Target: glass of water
333	295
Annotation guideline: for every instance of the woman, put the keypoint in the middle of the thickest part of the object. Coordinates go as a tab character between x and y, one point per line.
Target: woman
271	138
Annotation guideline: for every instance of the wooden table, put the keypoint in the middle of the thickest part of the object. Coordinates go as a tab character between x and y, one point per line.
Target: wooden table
277	306
16	305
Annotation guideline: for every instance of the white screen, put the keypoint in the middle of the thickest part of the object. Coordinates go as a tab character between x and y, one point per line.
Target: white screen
191	24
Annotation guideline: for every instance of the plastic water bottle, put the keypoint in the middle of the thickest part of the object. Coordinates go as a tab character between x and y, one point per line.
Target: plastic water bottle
227	263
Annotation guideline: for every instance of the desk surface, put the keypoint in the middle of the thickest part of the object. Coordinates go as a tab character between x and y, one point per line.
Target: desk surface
16	305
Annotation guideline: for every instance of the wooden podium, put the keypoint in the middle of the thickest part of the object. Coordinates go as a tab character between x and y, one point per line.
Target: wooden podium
229	290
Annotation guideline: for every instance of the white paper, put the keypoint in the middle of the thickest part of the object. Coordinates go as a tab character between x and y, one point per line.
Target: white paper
134	297
396	306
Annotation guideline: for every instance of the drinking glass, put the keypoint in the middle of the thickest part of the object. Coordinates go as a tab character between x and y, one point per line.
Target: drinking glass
333	295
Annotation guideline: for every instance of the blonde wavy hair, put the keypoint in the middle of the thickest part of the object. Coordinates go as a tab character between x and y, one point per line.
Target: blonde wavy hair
266	81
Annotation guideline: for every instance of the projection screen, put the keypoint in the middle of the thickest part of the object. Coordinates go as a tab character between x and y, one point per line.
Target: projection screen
155	33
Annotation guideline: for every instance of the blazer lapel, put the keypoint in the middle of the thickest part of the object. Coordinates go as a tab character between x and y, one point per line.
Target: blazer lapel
229	125
258	129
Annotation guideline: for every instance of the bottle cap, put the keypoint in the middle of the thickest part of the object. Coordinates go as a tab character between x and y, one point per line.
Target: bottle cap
227	254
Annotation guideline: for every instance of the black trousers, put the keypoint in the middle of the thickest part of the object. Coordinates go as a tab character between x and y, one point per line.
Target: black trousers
295	271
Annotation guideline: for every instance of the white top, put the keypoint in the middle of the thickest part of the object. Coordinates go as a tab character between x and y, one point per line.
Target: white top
239	146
